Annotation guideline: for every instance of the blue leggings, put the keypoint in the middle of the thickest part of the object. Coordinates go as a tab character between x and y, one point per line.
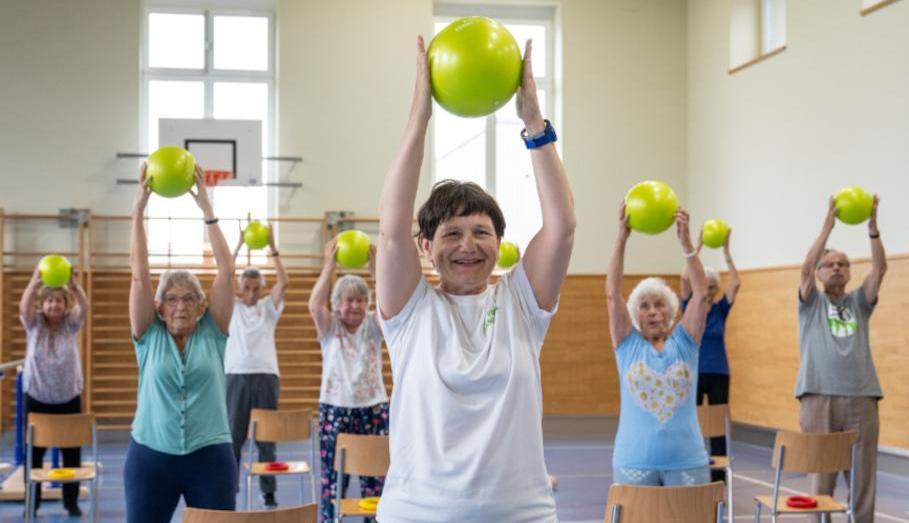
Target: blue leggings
154	481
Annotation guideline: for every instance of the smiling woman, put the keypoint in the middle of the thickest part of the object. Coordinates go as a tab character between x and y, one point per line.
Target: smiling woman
181	415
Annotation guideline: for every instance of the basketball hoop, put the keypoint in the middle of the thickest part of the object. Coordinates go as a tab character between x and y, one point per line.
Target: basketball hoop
212	178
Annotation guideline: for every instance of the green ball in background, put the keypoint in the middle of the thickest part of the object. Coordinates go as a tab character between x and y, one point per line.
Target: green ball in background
353	249
256	235
171	171
714	233
509	254
474	66
853	205
651	207
55	270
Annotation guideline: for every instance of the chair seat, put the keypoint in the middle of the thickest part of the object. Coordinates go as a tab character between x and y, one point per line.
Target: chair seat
293	467
719	462
351	507
84	473
824	504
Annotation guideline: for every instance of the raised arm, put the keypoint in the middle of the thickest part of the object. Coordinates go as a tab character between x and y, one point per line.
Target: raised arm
808	284
695	316
280	286
221	297
27	302
141	294
319	296
80	309
240	243
548	253
872	284
732	289
620	324
398	262
684	279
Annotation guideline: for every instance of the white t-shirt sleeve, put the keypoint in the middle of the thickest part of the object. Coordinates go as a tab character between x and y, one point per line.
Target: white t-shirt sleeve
272	312
538	318
394	327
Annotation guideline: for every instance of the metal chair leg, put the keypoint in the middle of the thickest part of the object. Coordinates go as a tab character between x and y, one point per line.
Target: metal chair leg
96	510
249	489
757	512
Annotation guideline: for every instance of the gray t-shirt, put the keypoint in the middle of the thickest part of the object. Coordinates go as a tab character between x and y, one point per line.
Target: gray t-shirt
833	340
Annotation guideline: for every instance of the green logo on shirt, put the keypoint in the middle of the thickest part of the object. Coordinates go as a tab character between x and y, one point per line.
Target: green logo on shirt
841	321
490	318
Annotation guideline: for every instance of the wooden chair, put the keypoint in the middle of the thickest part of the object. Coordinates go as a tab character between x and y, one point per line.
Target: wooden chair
281	426
637	504
302	514
358	455
61	431
715	422
810	453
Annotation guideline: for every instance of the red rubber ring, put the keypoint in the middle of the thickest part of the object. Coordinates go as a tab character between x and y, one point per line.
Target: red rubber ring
276	466
801	502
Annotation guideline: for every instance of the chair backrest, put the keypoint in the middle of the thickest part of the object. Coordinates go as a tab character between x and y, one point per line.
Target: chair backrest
301	514
695	504
712	419
61	430
281	425
363	455
810	452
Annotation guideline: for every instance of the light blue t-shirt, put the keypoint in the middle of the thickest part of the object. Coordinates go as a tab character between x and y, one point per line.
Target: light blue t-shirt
180	405
658	424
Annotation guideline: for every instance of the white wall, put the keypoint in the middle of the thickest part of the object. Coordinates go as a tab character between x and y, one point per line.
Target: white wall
346	78
624	120
768	145
69	96
69	100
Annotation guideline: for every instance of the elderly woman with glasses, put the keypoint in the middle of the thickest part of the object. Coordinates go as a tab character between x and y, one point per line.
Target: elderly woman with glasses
181	442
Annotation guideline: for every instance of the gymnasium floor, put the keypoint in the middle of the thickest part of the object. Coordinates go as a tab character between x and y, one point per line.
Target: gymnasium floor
578	451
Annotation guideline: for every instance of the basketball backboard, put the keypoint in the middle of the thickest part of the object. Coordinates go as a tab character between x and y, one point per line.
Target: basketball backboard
230	151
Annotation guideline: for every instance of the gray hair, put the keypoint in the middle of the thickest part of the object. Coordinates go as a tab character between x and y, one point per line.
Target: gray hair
176	277
820	261
251	273
712	275
348	283
652	287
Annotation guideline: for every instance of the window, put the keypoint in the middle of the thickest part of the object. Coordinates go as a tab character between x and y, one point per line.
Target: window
489	151
206	64
757	31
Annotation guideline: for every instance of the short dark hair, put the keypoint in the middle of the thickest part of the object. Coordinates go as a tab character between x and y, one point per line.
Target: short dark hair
453	198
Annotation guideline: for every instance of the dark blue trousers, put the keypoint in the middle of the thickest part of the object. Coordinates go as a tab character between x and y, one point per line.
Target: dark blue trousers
154	481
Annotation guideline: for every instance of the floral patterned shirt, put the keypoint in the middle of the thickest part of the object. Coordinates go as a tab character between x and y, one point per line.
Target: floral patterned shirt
352	365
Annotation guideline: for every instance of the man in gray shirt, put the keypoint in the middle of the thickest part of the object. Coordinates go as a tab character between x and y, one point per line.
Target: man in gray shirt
837	384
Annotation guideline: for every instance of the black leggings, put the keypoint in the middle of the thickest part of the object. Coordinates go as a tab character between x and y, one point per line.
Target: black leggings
72	457
716	388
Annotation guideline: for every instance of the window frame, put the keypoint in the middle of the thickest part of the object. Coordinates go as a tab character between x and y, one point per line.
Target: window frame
209	76
506	15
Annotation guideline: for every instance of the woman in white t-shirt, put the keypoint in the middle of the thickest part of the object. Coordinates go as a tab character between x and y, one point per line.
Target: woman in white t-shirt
467	409
251	357
352	398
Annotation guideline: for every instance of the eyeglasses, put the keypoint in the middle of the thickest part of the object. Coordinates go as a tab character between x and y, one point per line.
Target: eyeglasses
188	300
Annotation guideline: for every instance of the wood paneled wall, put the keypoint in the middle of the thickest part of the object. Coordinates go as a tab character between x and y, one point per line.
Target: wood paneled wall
578	365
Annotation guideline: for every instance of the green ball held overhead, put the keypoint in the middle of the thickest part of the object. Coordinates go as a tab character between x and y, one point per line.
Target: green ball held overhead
55	270
171	171
508	255
353	249
474	66
714	233
256	235
853	205
651	207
